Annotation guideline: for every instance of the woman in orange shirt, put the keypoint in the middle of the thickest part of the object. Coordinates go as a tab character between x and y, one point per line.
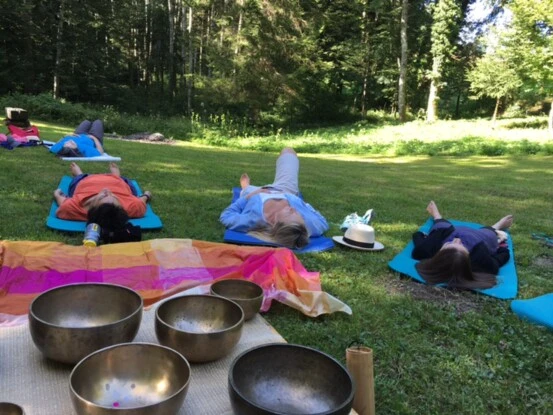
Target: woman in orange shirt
108	200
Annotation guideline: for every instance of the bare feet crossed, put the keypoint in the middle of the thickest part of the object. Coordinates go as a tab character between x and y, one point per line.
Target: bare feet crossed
433	210
114	169
504	223
75	169
244	181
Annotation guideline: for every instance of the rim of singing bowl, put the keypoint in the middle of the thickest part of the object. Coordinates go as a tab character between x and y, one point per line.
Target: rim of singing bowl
41	296
347	401
222	283
74	392
13	407
210	297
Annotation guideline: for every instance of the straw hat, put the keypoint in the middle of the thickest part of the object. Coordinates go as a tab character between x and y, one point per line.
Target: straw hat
359	236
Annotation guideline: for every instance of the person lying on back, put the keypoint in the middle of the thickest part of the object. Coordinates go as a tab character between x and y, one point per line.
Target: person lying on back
275	212
88	191
86	141
460	256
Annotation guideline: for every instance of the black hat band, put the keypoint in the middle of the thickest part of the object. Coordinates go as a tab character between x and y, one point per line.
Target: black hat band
359	244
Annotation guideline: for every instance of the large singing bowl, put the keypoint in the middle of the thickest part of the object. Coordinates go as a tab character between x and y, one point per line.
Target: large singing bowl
70	322
201	327
287	379
246	294
130	379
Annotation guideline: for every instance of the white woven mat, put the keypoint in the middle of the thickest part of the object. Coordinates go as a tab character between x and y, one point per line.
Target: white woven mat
41	386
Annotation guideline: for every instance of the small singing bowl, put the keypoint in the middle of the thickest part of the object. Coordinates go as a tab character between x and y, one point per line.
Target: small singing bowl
288	379
8	408
130	379
246	294
201	327
70	322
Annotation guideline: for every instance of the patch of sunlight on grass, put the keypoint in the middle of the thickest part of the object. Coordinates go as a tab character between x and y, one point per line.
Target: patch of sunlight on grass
482	161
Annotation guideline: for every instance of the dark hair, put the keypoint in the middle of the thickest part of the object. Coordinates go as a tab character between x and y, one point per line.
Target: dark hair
114	224
69	152
452	267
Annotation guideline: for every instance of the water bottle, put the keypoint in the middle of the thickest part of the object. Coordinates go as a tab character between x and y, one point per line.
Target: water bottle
91	235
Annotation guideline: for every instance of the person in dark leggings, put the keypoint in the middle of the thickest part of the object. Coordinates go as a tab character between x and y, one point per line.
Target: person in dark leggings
460	256
94	128
86	141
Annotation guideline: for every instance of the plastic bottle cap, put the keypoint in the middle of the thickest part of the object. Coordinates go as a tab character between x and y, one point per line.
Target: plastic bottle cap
89	243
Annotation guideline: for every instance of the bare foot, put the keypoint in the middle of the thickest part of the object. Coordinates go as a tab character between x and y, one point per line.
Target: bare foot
75	169
59	196
433	210
114	169
244	181
504	223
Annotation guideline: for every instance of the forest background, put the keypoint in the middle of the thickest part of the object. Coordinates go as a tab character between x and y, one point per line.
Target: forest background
262	65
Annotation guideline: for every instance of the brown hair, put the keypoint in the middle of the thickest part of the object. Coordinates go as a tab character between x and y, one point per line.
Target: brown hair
289	234
452	267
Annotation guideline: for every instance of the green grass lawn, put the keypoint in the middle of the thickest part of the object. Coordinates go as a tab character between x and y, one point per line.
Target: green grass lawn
515	136
435	351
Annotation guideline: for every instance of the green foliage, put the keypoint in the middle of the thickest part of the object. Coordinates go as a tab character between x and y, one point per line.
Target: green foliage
378	133
493	76
528	44
445	29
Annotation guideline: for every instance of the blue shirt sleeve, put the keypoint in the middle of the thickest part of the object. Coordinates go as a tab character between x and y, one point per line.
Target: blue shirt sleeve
234	217
59	145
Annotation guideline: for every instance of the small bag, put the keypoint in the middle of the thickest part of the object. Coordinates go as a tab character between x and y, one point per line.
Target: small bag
130	233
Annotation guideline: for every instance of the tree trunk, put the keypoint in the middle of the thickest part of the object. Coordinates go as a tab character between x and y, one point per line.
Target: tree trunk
550	123
367	47
458	104
182	83
364	92
59	49
190	64
240	4
551	120
201	46
432	108
495	111
171	63
403	63
147	44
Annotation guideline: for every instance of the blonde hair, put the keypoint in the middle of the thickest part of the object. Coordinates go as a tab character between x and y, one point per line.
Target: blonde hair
289	234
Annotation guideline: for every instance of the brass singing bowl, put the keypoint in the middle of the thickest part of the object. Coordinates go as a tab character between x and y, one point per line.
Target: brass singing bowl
130	379
201	327
288	379
8	408
246	294
70	322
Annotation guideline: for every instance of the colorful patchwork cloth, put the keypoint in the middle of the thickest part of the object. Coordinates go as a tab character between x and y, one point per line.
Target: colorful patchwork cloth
157	269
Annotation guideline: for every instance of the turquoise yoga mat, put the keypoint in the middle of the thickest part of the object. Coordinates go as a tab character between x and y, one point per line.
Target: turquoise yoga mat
318	244
506	287
537	310
149	221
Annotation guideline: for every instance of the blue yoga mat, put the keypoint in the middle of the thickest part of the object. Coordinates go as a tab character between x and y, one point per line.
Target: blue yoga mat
537	310
507	285
149	221
318	244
